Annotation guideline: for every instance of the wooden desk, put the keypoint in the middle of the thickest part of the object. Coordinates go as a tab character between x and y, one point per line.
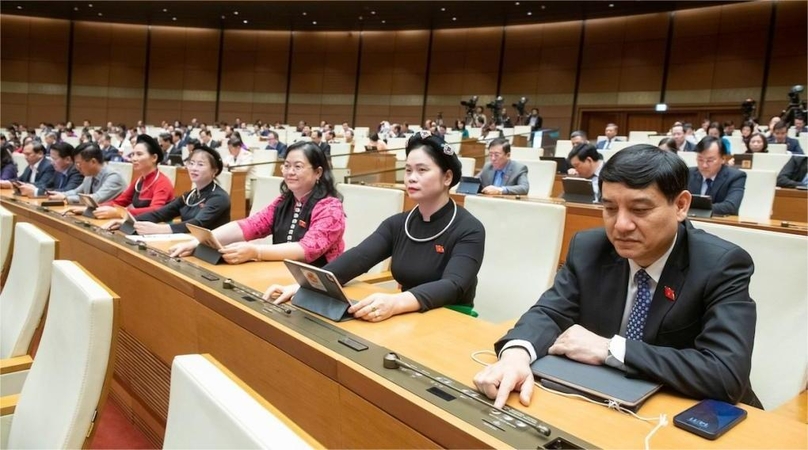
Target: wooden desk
365	162
790	205
339	402
238	195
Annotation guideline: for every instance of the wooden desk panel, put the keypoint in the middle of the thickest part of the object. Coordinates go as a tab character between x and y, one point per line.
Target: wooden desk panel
315	387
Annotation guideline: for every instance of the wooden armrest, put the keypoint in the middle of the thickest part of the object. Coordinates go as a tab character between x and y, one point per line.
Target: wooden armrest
373	278
11	365
8	404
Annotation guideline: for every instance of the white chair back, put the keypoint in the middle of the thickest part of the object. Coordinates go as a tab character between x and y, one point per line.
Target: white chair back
366	208
266	190
770	161
398	147
640	136
25	293
607	154
474	132
620	145
502	293
340	155
264	156
123	168
170	172
689	158
563	148
778	148
522	154
72	140
541	175
359	144
208	408
758	197
6	236
780	356
736	144
362	132
225	180
468	165
21	163
63	390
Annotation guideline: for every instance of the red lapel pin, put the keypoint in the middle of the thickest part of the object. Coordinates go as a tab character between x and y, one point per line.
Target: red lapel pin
439	248
302	224
669	294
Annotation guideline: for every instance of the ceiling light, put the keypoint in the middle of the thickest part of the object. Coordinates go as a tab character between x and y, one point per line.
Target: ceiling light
235	13
304	13
75	8
361	18
443	9
373	12
90	5
529	13
165	9
611	5
224	17
314	22
174	19
384	21
543	7
245	20
454	18
19	7
517	3
100	14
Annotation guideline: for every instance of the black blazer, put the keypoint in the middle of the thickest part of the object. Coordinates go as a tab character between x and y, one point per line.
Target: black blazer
727	190
44	174
700	344
71	180
793	172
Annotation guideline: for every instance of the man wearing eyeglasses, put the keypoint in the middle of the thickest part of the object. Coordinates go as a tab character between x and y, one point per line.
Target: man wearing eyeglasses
723	184
501	175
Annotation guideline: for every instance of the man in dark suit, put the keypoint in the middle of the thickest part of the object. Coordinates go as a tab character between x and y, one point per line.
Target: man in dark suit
166	143
723	184
274	144
794	173
110	152
679	138
648	294
206	139
501	174
40	170
780	136
799	125
317	138
66	175
611	137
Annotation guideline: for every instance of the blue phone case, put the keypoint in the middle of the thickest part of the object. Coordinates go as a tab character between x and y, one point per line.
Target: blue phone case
709	418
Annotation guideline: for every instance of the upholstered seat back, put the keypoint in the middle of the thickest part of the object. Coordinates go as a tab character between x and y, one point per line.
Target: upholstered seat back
208	409
6	235
25	293
520	262
63	389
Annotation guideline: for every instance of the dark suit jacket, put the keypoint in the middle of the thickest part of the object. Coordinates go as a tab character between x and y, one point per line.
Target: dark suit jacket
514	178
727	191
112	154
687	147
44	173
602	144
700	344
793	172
326	148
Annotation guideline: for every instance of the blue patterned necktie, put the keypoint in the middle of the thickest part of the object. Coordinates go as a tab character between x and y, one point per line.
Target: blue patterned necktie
642	303
498	178
709	189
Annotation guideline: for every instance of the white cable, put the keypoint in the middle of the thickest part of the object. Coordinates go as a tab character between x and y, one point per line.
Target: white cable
611	404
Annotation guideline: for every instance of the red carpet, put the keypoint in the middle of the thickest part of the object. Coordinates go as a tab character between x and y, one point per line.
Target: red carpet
116	431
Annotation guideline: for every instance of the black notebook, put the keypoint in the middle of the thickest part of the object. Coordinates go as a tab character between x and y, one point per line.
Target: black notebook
600	383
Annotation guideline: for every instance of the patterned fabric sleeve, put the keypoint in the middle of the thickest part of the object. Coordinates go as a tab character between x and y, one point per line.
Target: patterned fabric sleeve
325	231
259	225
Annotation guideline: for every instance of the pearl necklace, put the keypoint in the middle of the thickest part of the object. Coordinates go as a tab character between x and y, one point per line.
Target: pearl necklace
407	221
141	182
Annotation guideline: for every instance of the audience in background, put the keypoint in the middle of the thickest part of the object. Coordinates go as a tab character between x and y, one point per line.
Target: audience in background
100	182
711	177
611	137
501	175
779	135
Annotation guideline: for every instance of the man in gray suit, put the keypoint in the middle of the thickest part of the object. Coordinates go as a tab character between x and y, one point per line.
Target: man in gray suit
100	182
501	175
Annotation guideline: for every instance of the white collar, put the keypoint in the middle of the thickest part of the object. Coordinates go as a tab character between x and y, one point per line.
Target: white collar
655	269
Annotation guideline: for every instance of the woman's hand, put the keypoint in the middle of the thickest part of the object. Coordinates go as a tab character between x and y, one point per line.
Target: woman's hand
239	252
112	225
280	294
375	307
183	248
144	228
107	212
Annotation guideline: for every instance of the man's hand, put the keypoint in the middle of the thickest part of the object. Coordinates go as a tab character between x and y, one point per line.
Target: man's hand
492	190
511	373
581	345
572	171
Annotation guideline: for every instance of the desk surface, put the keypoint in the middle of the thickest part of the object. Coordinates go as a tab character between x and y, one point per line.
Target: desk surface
165	313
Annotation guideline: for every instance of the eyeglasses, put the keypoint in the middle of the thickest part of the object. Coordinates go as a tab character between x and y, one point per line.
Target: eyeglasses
297	168
495	154
199	164
708	161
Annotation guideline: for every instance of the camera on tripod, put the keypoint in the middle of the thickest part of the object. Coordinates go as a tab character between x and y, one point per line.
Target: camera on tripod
520	106
795	106
496	109
748	108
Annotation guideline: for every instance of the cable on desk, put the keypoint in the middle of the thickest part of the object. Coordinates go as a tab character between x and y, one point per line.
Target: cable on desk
662	420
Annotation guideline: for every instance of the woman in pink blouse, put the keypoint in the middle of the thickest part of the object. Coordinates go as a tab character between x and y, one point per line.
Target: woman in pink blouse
306	221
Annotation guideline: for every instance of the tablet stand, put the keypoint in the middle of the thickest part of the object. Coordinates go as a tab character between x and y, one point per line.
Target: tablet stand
321	305
208	254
